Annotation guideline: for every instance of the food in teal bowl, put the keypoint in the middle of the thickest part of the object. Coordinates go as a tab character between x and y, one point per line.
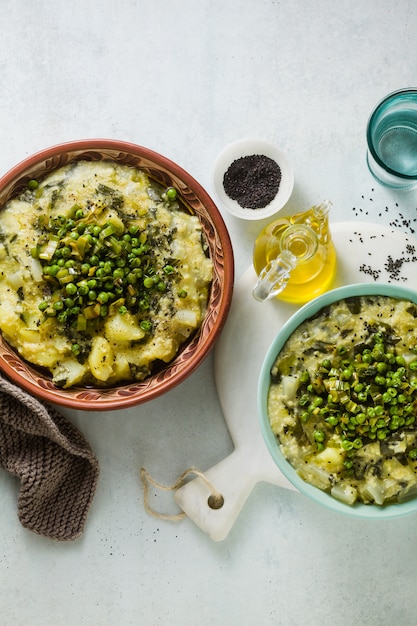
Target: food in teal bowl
337	400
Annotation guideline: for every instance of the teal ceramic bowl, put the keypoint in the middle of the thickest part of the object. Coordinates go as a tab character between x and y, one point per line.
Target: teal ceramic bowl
359	510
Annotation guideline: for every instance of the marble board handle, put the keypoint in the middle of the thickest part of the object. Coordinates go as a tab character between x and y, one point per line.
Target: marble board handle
234	478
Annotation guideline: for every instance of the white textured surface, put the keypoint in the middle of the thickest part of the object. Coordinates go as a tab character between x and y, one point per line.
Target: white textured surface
185	78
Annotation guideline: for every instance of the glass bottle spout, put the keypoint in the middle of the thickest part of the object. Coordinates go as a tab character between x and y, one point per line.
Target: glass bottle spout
274	276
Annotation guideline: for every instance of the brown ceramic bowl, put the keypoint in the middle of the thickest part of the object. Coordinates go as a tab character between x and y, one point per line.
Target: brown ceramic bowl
193	353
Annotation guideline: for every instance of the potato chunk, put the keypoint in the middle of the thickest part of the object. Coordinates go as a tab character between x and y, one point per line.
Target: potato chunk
119	328
101	359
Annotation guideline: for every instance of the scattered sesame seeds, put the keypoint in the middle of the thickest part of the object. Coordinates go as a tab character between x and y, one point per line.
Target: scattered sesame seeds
393	267
367	269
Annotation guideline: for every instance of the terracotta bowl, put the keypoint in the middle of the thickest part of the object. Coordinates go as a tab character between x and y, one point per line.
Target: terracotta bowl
194	352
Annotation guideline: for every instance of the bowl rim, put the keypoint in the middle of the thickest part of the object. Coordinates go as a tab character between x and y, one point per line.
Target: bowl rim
358	510
245	147
97	399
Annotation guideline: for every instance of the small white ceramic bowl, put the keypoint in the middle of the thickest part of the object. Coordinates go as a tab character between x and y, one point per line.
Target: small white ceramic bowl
247	147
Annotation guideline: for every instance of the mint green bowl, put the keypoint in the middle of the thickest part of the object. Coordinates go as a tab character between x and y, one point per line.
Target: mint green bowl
359	510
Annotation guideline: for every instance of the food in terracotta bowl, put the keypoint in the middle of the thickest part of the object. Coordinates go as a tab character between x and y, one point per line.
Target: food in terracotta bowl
116	274
337	400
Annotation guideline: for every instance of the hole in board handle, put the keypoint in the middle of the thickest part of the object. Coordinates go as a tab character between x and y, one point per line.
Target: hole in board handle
215	501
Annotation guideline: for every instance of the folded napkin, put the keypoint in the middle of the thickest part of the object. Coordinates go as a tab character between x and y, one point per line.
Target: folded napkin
57	469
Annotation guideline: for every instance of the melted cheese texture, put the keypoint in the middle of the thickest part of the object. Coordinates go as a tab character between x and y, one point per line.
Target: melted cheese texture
115	348
381	466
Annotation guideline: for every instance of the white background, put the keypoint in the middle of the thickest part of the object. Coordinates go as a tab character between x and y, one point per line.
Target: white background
185	78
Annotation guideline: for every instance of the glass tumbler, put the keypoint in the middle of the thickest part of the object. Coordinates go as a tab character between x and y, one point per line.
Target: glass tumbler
392	140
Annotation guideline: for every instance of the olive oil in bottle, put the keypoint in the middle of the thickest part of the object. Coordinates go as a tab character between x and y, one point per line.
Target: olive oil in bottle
301	244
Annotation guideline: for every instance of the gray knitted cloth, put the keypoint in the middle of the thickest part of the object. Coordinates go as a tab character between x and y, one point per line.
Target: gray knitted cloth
57	469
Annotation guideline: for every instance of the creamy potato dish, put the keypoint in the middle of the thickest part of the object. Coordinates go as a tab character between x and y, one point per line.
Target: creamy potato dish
343	400
103	274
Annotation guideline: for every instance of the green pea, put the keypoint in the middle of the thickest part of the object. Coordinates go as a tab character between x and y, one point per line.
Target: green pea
319	435
103	297
171	193
381	367
332	420
380	380
71	289
118	273
132	278
347	374
133	229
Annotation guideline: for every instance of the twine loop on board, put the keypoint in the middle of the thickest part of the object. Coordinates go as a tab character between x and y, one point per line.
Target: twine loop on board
214	501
